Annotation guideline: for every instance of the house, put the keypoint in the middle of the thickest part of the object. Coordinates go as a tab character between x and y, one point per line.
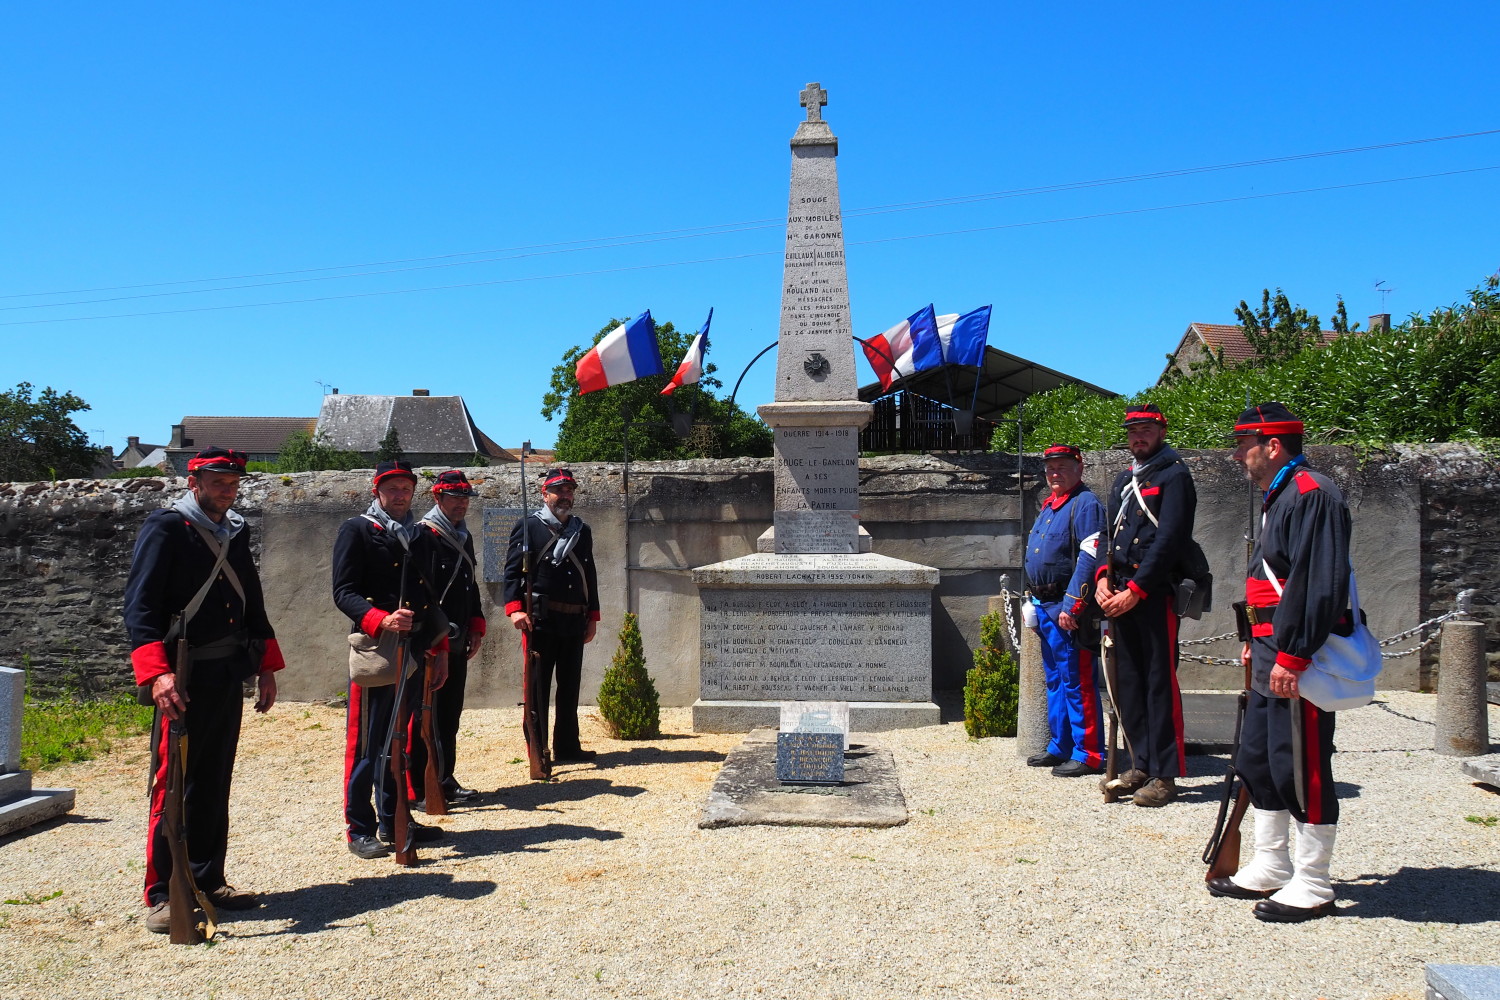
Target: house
137	454
431	430
260	438
1229	339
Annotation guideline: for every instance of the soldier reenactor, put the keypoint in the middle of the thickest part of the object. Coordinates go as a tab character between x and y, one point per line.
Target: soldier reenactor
451	571
1149	521
192	574
1060	558
1296	595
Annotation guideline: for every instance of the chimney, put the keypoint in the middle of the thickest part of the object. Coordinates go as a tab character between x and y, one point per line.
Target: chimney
176	441
420	392
133	442
335	390
1380	321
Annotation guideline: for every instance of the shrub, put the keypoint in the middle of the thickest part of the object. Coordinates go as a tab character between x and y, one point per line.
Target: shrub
992	688
139	472
627	697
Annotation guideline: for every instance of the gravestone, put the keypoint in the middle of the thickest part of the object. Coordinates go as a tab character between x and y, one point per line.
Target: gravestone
810	746
814	614
20	804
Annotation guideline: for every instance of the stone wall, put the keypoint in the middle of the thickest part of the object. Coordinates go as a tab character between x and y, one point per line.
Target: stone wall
1427	521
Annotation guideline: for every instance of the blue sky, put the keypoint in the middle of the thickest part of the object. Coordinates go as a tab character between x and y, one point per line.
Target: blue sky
166	142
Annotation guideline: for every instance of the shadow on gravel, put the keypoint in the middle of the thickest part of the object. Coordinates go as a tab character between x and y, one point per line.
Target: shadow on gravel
539	794
533	839
1424	895
656	755
318	907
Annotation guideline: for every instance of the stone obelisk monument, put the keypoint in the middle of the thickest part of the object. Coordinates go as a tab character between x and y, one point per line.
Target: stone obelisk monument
814	615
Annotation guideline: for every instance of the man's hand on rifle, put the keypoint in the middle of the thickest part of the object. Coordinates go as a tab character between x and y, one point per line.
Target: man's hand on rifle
1119	602
1066	622
439	665
521	620
473	645
168	698
1245	655
588	633
397	621
266	688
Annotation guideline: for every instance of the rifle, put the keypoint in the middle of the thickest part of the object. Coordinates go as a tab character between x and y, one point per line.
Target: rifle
402	835
435	802
533	724
1111	786
1222	855
185	900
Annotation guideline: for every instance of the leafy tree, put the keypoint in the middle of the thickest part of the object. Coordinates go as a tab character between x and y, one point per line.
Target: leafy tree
1278	330
992	689
38	439
301	452
593	425
389	449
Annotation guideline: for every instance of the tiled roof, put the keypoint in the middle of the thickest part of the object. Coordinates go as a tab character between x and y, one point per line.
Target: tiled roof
1230	338
425	424
252	434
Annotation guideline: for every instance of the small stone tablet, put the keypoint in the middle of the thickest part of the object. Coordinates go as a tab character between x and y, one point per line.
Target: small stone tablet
809	758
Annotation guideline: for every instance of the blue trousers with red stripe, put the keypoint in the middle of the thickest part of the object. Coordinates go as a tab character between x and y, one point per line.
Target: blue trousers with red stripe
1267	764
367	725
1147	695
1074	708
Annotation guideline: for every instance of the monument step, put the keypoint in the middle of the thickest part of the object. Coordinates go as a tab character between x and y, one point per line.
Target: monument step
864	716
41	804
1484	769
15	785
1463	982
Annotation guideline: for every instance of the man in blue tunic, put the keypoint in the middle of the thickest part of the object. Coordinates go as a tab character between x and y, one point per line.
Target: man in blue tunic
1060	557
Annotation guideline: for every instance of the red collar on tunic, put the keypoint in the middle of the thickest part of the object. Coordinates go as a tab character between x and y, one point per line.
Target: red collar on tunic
1055	502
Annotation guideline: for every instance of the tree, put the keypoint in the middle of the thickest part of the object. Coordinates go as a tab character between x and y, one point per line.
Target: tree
301	452
593	425
1278	329
627	695
38	439
389	449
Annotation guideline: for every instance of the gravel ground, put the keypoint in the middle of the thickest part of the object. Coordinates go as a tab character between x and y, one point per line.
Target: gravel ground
1006	882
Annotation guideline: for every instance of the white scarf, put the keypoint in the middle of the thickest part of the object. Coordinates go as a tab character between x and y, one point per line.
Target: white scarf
455	533
402	529
224	531
567	533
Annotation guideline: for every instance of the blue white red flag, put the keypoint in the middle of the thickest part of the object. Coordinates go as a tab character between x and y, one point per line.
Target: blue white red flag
626	353
691	369
964	337
910	346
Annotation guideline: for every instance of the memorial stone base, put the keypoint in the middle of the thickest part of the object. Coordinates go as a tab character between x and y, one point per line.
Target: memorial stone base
838	627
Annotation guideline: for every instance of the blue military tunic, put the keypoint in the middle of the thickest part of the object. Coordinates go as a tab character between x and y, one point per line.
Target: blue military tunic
1060	555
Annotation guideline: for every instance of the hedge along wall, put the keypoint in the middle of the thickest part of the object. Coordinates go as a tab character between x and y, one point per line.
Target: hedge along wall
1427	521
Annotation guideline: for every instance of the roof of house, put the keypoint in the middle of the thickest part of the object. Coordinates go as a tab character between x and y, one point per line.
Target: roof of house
1004	380
1229	338
252	434
424	424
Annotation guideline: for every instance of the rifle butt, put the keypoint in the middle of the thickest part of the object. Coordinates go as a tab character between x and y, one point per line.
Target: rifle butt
434	802
1225	860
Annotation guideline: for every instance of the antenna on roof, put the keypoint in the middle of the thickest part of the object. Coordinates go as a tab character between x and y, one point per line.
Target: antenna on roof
1383	292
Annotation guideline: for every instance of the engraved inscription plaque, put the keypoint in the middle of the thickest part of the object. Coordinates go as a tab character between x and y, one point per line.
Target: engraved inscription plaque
812	531
804	758
494	535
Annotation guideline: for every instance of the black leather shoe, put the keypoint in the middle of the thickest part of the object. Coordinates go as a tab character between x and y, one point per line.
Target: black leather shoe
1225	886
1044	760
458	795
421	833
1073	769
368	848
576	757
1281	913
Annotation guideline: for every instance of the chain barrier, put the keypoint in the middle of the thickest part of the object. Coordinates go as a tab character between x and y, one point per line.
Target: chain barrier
1010	623
1219	661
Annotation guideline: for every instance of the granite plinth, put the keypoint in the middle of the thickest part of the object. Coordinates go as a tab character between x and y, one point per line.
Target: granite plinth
1484	769
789	570
746	792
42	804
1463	982
741	716
12	709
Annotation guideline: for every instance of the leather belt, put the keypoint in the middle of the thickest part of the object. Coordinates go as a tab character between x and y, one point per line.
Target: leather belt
566	609
222	647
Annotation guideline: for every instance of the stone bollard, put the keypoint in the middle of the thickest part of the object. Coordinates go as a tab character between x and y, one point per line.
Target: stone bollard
1032	734
1463	721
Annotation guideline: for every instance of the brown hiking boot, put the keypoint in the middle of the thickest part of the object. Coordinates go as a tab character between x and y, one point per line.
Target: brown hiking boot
159	917
1127	782
227	897
1156	792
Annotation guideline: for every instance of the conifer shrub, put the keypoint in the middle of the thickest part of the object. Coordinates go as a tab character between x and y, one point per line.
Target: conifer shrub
627	697
992	687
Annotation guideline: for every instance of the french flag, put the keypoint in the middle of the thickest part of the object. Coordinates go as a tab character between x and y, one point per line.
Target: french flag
626	353
691	369
964	337
910	346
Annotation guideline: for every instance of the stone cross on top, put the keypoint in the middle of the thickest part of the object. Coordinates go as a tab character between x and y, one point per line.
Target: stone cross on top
814	99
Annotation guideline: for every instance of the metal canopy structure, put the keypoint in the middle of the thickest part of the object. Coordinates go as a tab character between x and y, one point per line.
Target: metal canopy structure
1004	381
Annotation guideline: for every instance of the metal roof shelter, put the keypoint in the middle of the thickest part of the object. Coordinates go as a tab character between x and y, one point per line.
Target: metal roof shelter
1004	381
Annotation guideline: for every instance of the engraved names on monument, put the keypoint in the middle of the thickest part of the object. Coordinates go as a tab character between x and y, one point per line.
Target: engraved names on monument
855	645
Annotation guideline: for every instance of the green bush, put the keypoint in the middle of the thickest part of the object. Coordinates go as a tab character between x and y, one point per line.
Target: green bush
992	688
262	467
627	697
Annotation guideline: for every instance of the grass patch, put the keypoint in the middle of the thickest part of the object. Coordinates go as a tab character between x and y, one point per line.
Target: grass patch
68	729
